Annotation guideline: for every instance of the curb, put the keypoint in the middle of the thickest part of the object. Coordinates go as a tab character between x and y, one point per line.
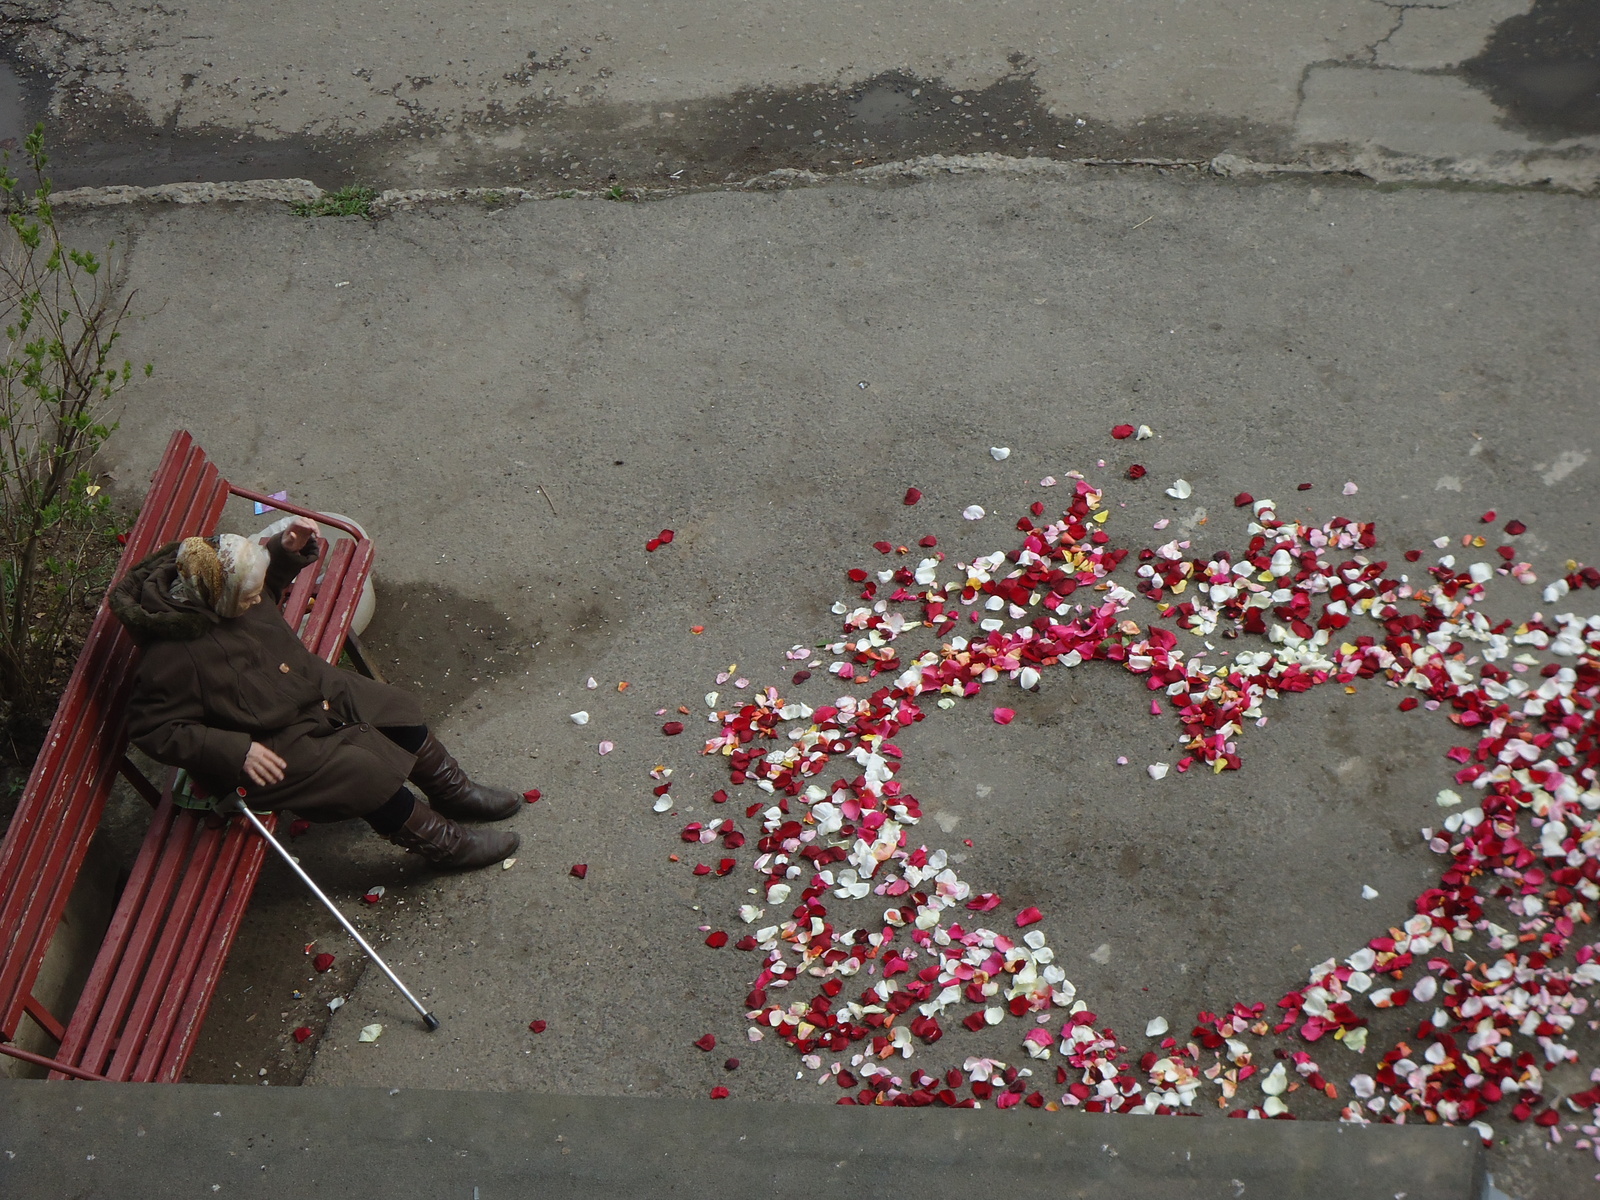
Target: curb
1579	175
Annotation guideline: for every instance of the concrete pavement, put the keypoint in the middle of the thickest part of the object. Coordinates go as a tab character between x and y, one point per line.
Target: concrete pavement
765	374
136	1142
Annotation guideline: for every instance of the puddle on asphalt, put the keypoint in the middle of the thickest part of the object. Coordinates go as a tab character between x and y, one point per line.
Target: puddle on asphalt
539	142
23	101
1542	68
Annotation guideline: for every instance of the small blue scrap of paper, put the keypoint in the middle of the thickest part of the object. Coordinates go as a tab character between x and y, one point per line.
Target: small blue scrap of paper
261	508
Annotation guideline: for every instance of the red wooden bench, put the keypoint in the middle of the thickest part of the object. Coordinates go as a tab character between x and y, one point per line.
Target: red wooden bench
140	1013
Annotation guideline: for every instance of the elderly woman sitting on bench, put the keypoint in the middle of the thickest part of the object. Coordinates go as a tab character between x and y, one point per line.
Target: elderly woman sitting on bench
227	691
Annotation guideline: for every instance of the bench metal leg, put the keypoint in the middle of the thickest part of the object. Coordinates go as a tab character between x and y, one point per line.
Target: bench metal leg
428	1019
360	658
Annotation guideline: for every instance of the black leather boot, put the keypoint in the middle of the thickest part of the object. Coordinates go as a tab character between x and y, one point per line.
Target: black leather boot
450	792
445	844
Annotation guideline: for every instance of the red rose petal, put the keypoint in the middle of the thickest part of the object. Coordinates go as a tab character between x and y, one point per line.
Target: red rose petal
1122	432
1037	508
717	939
1302	487
709	1042
537	1026
323	962
1136	471
856	575
1487	517
882	547
1004	716
1413	555
928	542
725	865
298	826
665	537
579	870
701	869
672	728
301	1034
1408	704
653	545
912	495
531	795
746	943
984	902
719	1093
731	1065
719	797
1516	527
1243	500
801	676
1029	916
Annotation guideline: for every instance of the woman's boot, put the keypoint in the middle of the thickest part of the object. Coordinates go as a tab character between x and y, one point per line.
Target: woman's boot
450	792
445	844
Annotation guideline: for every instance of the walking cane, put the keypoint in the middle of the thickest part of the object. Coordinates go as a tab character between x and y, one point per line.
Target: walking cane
428	1019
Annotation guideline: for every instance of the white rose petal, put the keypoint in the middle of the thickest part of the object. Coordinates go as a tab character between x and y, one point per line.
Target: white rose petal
580	718
1158	770
1180	490
370	1033
1156	1027
973	512
999	453
1368	893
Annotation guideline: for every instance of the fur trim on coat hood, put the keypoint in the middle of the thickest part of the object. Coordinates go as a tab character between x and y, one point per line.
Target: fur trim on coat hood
143	602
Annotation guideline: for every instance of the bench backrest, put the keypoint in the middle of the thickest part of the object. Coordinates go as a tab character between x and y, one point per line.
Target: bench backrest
66	792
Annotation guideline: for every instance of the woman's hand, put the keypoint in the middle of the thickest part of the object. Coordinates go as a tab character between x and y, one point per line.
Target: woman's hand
297	534
263	766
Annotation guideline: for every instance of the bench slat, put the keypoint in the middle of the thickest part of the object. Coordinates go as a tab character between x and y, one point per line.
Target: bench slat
61	806
172	928
108	993
223	897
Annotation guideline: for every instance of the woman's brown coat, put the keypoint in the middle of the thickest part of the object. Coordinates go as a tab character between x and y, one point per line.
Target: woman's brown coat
208	687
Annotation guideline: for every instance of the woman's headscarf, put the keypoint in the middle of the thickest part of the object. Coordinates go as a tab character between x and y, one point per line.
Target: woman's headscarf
225	573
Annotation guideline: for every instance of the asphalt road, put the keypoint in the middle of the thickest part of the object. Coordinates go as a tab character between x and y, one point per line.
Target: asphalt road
486	94
514	399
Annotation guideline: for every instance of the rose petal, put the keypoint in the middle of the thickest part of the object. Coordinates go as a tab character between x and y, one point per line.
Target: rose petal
1302	487
322	962
719	1093
1136	471
1156	1027
301	1034
1122	432
538	1026
580	718
1048	481
912	496
708	1042
1181	489
973	512
665	537
579	870
1243	500
984	902
672	728
1004	716
1157	770
929	542
1350	489
999	453
1515	528
882	547
370	1033
717	940
607	747
653	545
1029	916
532	795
